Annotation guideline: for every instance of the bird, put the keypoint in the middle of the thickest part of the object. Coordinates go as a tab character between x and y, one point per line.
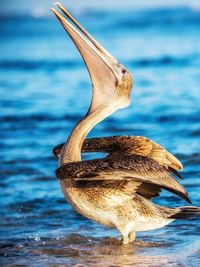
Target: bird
116	190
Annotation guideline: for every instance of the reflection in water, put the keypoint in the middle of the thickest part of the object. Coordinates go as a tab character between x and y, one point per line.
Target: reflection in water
100	251
39	85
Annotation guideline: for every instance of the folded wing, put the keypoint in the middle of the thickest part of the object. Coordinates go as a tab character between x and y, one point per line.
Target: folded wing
131	173
130	145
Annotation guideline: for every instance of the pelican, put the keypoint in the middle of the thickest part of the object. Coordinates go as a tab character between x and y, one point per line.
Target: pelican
116	190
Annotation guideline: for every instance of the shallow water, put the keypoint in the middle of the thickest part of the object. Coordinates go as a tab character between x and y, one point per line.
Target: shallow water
44	91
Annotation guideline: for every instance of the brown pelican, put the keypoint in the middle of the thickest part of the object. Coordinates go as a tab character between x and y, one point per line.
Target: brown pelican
115	191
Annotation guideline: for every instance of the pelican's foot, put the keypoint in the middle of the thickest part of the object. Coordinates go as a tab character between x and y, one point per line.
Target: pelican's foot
125	240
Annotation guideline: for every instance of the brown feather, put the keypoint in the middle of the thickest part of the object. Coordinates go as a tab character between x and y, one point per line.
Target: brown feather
132	145
135	170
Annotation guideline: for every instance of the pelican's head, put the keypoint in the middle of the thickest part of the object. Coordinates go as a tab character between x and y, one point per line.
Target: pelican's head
111	81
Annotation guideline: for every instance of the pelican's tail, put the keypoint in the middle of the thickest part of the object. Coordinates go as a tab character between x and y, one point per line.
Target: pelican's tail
186	212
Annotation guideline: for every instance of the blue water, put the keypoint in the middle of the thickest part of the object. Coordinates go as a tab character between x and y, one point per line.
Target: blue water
45	90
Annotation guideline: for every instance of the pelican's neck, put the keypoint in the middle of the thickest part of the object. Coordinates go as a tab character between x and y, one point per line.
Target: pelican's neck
72	149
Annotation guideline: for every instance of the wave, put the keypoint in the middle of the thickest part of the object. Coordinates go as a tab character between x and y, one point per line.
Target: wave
38	64
159	17
30	65
164	61
38	118
141	16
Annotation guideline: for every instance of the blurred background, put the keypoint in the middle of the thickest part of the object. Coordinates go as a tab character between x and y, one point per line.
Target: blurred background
45	90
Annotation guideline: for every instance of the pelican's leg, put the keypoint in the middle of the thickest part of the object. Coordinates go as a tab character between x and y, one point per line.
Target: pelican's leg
131	237
127	234
125	239
124	235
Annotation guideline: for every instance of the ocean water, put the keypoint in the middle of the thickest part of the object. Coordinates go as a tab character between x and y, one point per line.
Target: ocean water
45	90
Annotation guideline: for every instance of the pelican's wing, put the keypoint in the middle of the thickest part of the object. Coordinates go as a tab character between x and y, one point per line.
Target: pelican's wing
132	145
144	174
145	147
105	72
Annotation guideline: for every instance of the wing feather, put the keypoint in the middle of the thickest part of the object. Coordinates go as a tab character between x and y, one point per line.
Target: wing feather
131	145
143	174
143	146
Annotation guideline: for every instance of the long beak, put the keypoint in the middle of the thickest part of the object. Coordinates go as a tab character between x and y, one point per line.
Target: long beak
105	71
89	36
83	39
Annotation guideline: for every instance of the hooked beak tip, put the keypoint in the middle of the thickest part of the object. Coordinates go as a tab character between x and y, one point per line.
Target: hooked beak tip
57	4
55	12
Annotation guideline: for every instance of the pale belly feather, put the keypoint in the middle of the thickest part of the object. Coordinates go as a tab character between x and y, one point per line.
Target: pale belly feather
88	208
112	210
